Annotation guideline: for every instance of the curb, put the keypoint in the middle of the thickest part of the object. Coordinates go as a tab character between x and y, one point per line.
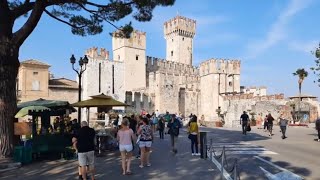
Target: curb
9	166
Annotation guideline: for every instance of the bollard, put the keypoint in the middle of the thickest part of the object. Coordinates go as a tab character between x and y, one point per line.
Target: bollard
211	149
235	173
203	145
222	162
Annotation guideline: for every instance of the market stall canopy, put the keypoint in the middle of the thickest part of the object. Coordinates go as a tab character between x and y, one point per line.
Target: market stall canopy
54	105
25	111
100	100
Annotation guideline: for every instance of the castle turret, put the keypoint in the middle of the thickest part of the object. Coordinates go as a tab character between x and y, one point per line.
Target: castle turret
179	33
132	52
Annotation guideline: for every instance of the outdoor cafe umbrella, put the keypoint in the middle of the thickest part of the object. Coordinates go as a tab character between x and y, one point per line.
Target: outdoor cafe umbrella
99	101
25	111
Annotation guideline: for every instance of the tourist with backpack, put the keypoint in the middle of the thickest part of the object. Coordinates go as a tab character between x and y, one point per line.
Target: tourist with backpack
193	130
174	125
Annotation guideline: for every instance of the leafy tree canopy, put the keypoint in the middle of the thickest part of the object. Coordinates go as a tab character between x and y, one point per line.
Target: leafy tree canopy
93	13
301	73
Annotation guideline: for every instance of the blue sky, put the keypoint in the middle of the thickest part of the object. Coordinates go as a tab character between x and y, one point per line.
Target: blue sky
272	38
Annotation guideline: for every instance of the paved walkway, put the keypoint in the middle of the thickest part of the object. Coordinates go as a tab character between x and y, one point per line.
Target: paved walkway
165	165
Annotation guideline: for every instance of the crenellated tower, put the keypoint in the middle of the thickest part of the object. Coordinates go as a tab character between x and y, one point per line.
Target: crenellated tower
179	33
132	52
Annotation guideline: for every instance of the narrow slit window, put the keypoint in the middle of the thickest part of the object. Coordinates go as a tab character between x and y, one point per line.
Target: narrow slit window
171	53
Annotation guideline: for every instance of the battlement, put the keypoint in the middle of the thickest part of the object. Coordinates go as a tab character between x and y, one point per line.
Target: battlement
255	98
137	40
180	25
220	66
157	64
93	53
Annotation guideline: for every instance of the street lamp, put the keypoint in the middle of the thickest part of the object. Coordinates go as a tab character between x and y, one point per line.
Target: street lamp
83	66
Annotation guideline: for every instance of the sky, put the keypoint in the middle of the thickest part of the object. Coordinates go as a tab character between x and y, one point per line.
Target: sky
272	38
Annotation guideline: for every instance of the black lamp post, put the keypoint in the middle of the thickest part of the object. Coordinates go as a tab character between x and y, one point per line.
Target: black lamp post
83	66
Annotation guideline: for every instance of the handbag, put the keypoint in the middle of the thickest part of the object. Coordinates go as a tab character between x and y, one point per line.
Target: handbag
248	128
189	136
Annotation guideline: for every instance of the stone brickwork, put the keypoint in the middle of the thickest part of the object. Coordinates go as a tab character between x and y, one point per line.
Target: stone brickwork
234	106
138	101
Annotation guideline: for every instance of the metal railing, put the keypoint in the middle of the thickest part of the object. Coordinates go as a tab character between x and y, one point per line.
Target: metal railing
224	162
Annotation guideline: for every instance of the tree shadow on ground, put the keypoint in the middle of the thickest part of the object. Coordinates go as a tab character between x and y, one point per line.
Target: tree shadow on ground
165	165
248	164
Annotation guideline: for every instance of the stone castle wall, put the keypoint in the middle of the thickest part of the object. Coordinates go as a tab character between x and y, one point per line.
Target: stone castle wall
234	106
175	86
138	101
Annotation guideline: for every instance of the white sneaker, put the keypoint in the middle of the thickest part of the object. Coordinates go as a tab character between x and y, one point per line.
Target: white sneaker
193	154
318	140
198	154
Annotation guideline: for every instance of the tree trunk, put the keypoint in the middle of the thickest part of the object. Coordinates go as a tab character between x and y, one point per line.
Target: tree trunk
299	112
9	65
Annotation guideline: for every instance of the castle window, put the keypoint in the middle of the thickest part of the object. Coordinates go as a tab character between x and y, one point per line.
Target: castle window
172	40
137	57
230	83
183	39
35	73
171	53
118	58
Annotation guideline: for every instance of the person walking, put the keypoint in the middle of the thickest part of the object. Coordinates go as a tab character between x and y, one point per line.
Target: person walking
265	123
161	125
283	126
146	138
270	120
193	130
84	143
125	137
244	119
174	125
318	128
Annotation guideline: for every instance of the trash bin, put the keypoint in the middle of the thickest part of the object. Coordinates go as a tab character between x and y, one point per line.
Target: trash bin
22	154
18	154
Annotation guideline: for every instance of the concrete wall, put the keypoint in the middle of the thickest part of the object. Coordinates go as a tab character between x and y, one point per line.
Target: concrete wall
70	95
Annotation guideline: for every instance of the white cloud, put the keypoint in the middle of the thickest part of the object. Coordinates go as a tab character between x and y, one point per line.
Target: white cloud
305	47
277	30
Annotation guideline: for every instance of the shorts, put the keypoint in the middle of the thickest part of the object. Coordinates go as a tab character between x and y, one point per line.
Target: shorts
145	144
86	158
126	147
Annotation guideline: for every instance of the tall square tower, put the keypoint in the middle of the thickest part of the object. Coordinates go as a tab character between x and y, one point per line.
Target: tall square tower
179	33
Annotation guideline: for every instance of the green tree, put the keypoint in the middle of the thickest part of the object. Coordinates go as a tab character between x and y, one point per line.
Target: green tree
316	69
302	74
85	17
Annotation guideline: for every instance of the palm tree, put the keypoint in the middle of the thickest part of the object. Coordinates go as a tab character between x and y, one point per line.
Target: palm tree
302	74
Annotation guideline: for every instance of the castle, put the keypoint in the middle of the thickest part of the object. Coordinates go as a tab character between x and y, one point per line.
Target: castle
172	84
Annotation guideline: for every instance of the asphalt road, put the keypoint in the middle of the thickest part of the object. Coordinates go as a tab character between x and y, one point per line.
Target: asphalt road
263	157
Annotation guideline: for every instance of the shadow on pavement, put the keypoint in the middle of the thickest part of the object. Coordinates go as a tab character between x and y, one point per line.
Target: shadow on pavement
165	165
248	165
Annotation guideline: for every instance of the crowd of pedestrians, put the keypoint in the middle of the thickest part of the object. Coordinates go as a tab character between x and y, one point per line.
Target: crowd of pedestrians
268	123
